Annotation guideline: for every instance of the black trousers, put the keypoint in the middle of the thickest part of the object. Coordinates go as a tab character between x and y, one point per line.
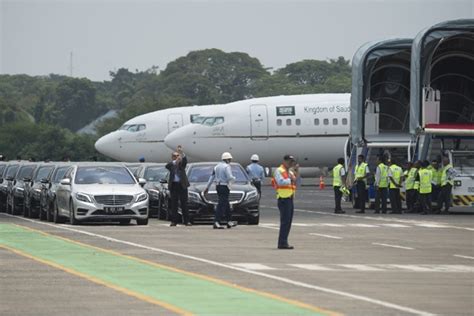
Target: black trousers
286	218
395	200
337	198
361	195
444	197
435	190
258	186
381	195
179	195
223	206
425	202
411	199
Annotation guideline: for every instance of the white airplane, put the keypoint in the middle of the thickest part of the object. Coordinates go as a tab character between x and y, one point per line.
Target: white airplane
313	128
143	135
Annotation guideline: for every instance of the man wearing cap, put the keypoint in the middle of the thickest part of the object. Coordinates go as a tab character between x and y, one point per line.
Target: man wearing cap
256	173
178	186
338	180
284	182
222	177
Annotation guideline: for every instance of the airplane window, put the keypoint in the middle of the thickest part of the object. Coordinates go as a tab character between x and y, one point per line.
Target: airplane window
219	120
212	121
334	121
279	122
132	128
141	127
326	122
298	122
316	121
344	121
288	122
124	127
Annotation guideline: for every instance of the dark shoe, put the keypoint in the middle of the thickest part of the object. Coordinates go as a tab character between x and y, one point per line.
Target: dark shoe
384	212
188	224
231	224
339	212
173	224
377	212
360	212
217	226
286	247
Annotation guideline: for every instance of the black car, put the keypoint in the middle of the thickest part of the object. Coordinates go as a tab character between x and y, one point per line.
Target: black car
156	176
7	182
48	192
17	188
33	191
3	169
243	198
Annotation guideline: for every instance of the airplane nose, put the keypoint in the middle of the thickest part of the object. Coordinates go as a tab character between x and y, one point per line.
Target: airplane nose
176	138
106	145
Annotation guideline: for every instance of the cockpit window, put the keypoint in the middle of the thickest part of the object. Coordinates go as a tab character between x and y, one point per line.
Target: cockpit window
124	127
141	127
133	128
213	120
196	118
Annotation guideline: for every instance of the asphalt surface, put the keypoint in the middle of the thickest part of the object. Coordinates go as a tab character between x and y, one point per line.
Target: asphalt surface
342	264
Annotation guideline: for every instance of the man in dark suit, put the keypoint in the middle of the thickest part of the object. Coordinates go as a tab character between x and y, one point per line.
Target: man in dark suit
178	186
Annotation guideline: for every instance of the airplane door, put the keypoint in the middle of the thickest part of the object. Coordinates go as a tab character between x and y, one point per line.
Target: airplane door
258	121
175	121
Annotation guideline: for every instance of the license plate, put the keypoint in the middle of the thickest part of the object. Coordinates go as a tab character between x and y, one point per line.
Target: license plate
114	210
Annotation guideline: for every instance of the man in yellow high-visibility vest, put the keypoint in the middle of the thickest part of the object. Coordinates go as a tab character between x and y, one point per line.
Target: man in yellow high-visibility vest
381	185
436	182
361	172
411	190
338	180
395	174
447	181
425	176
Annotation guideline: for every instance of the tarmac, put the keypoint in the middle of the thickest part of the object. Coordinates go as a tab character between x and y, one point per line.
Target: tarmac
342	264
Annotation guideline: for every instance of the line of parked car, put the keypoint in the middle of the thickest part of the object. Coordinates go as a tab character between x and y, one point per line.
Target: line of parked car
113	191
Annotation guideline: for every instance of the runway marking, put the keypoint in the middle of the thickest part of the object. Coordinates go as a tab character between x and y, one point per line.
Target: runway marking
257	273
464	257
431	225
192	292
395	225
332	225
253	266
362	225
312	267
361	267
392	246
327	236
412	267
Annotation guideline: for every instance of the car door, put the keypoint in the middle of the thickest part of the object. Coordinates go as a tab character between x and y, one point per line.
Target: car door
63	193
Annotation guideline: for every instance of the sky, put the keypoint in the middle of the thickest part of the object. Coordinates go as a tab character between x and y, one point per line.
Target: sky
37	37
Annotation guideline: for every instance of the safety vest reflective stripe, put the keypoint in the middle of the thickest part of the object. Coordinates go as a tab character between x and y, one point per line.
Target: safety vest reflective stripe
336	175
425	181
360	171
410	181
383	183
283	191
444	176
396	175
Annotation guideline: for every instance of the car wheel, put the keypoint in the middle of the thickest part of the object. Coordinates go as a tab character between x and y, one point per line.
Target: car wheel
56	217
142	221
72	217
253	220
125	221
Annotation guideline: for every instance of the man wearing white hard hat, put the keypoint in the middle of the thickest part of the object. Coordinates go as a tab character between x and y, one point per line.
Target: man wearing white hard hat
256	173
222	177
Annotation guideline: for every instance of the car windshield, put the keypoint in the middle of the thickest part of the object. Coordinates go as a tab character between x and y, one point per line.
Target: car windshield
133	169
203	173
155	174
43	173
103	175
2	168
60	172
26	172
12	171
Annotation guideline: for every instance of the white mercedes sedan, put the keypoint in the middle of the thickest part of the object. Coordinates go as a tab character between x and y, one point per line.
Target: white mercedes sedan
96	192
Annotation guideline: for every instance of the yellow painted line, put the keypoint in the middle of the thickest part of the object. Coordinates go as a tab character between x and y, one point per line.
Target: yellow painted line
125	291
193	274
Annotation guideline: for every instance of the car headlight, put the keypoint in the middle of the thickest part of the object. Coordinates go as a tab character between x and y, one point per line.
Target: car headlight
194	197
20	189
142	197
154	193
252	195
83	197
37	190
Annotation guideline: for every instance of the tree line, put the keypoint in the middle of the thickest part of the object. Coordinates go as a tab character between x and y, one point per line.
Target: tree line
39	115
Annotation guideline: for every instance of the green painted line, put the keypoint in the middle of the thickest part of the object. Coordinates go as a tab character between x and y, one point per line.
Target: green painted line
192	293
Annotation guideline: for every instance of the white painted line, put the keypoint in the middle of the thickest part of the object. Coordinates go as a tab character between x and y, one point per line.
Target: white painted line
261	274
412	267
327	236
362	225
392	246
333	225
268	226
431	225
395	225
361	267
450	268
253	266
312	267
301	224
464	257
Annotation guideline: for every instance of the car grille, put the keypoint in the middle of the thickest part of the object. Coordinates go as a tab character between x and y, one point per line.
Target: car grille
113	199
235	197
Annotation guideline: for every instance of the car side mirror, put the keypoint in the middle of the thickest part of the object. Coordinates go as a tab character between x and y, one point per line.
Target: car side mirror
163	181
9	178
141	181
44	181
65	181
